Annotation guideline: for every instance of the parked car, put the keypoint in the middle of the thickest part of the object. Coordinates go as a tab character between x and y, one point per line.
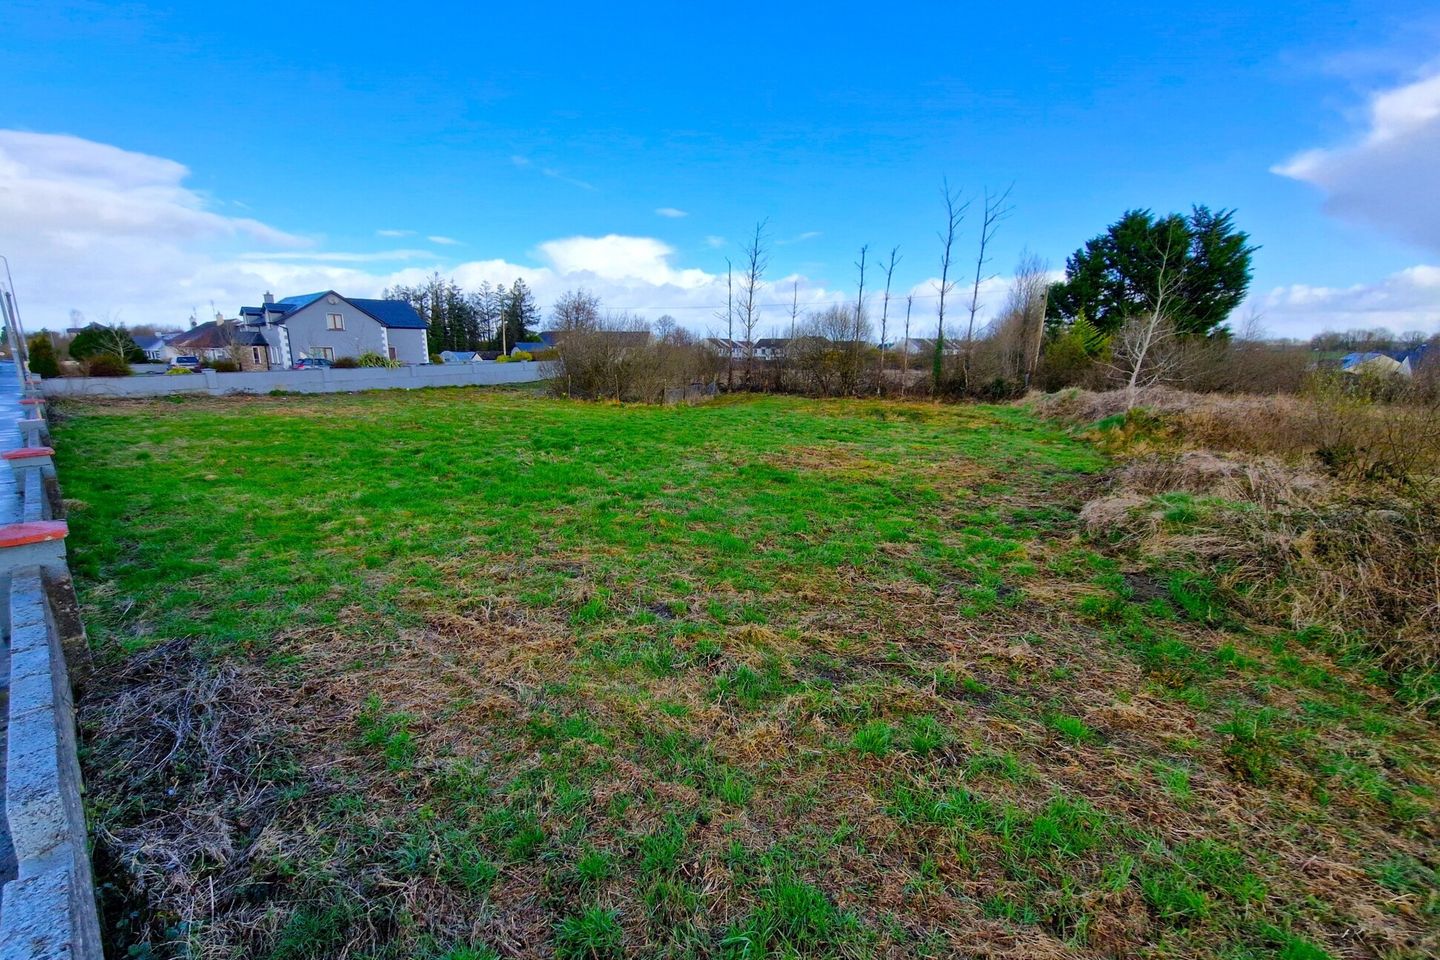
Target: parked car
191	363
311	363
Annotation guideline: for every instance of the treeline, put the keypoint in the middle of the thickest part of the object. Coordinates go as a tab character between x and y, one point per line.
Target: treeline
487	318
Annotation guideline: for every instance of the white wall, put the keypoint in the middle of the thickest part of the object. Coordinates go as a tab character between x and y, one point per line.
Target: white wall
410	345
210	383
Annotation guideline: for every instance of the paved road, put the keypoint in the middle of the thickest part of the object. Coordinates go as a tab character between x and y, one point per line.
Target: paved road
9	513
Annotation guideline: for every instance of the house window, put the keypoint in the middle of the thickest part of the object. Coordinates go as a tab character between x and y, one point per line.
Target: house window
335	321
255	354
328	353
392	354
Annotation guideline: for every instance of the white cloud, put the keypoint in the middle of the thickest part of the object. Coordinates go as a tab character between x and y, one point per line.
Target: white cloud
799	238
1388	177
615	257
394	233
73	188
443	241
672	212
119	236
1406	300
714	242
338	256
525	163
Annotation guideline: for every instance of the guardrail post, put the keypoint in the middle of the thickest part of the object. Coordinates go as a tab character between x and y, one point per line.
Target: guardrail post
34	431
41	543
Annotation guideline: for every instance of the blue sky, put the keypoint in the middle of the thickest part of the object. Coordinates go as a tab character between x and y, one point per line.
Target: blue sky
225	149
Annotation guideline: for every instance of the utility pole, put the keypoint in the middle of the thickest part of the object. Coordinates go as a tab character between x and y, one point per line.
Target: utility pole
19	349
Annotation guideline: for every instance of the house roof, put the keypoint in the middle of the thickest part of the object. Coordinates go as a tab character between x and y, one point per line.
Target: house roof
206	336
771	343
531	346
396	314
149	342
1375	363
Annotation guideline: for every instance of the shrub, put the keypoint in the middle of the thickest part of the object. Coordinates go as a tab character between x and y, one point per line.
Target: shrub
42	356
223	366
502	359
106	365
436	358
520	355
177	370
345	363
372	359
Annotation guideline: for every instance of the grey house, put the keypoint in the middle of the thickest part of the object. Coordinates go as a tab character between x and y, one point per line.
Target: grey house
329	326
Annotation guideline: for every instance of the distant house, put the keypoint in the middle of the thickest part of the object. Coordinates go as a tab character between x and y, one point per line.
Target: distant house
771	348
220	339
924	346
328	326
1402	362
529	346
725	347
459	356
153	346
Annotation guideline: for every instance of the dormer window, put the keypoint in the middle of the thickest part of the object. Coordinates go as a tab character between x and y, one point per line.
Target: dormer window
334	321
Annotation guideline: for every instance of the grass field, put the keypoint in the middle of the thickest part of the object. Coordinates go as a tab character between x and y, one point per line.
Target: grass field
462	674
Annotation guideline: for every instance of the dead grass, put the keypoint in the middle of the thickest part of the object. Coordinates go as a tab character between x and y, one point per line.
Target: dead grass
1292	539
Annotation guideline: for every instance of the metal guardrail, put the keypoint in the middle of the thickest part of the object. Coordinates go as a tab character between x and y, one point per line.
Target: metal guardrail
48	909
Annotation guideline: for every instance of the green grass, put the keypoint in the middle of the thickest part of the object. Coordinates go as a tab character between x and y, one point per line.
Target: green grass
447	671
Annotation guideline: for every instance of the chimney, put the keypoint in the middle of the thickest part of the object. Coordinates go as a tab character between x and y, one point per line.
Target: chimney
219	317
269	298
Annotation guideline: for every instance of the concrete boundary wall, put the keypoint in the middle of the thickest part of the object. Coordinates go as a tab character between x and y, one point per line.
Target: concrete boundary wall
48	910
210	383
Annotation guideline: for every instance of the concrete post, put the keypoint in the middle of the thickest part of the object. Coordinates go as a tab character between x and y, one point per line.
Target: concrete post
34	431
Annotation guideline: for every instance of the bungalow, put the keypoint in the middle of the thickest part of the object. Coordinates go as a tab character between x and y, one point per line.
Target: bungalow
153	345
531	347
328	326
220	339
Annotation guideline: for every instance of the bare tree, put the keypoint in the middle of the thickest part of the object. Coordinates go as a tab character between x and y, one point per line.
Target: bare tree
787	356
905	353
756	260
729	325
576	310
854	336
885	316
1148	348
1024	314
997	208
954	216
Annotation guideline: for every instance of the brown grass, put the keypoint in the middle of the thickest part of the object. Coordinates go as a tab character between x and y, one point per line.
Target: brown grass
1296	537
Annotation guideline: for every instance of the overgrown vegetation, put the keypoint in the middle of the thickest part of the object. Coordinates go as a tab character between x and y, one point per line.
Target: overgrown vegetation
388	676
1318	512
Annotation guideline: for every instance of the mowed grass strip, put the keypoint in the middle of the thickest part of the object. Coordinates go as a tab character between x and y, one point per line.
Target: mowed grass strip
467	673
